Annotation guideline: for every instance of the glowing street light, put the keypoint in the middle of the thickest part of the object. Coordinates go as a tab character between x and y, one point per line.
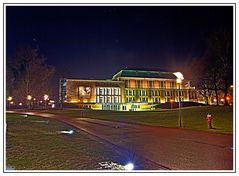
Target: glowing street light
179	81
9	99
29	97
46	97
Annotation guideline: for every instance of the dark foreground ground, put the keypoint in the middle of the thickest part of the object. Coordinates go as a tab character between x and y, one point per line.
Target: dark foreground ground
154	148
34	143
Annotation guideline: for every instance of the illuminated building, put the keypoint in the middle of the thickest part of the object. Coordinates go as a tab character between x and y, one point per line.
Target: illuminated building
129	90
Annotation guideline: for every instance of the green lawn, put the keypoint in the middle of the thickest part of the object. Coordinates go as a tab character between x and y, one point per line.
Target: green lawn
192	117
34	144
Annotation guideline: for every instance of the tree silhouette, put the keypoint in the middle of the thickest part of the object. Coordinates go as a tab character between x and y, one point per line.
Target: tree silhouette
28	74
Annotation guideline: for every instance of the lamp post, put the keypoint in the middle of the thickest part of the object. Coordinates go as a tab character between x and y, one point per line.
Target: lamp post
179	81
29	97
9	99
45	99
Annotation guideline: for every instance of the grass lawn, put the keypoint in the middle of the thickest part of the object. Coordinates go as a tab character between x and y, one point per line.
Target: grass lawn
192	117
34	144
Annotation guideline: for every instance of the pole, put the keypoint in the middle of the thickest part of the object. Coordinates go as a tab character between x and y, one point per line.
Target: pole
179	107
29	105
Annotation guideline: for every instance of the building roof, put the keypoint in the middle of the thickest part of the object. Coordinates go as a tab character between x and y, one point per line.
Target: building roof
144	74
85	82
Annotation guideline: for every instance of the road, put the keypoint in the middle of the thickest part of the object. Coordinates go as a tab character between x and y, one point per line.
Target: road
162	148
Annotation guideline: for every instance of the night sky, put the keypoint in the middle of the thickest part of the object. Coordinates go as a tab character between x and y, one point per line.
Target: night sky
96	42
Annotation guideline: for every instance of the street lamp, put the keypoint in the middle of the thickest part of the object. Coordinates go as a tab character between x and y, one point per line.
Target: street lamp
9	99
29	97
179	81
46	98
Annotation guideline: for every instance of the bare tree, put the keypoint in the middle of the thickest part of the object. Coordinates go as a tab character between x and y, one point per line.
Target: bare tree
221	47
31	74
215	71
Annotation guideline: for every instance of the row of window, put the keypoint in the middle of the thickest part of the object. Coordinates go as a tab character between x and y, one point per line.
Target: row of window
154	93
111	107
150	83
108	99
108	91
155	100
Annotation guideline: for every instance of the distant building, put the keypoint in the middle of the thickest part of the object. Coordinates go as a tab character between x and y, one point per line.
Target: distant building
129	90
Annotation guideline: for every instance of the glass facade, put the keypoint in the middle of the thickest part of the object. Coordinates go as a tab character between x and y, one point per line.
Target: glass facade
108	95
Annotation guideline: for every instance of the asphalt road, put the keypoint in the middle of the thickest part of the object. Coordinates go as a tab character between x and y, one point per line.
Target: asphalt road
160	148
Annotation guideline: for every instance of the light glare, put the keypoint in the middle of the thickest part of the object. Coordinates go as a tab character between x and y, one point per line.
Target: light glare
129	167
46	97
67	132
179	75
29	97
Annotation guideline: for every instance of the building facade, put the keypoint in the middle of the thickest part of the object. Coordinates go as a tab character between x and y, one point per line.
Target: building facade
129	90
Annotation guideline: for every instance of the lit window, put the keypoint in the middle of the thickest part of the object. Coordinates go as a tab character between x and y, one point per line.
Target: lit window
101	99
116	91
116	99
108	91
139	83
101	91
130	92
108	100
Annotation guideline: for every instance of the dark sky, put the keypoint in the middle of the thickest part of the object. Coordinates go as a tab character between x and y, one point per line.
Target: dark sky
96	42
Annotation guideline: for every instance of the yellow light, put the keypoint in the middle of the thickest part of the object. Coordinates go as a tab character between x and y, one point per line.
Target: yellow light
29	97
231	86
222	99
45	97
73	101
215	100
228	98
34	99
11	102
9	98
178	80
20	104
171	100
